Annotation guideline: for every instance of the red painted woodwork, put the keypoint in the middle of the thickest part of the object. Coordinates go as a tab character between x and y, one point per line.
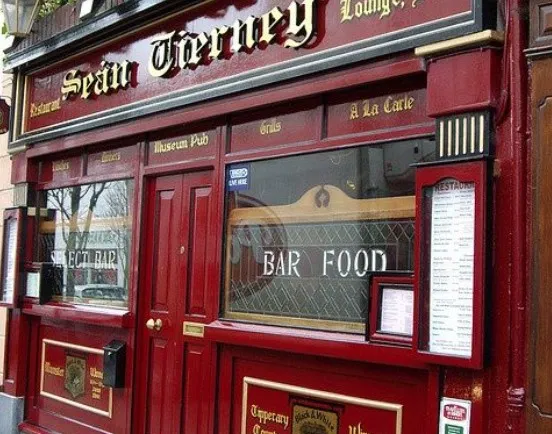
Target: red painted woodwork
174	291
426	177
280	125
377	285
22	169
451	85
112	161
414	390
67	417
402	66
183	145
331	33
60	171
84	314
366	109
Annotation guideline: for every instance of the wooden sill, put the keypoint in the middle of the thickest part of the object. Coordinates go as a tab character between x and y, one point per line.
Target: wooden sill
99	316
311	342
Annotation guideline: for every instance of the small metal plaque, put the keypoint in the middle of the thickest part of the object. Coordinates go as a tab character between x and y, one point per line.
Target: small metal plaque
310	420
75	370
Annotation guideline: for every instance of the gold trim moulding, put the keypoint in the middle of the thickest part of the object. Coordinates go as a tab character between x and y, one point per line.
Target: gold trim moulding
486	37
318	394
90	350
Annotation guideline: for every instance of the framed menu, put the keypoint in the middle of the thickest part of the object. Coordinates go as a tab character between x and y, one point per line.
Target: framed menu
12	246
392	309
451	261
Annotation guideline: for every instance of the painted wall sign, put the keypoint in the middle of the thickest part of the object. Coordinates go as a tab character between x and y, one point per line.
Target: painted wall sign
189	58
72	374
168	149
273	407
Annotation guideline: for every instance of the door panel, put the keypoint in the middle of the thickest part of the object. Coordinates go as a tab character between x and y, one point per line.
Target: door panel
200	212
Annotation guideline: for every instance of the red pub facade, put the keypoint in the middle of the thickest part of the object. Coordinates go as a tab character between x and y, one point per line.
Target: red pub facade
260	217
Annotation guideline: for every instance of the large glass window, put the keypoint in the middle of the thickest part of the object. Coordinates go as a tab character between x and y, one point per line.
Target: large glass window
87	236
303	233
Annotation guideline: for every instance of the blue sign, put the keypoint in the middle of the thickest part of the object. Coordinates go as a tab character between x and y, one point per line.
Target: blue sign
238	177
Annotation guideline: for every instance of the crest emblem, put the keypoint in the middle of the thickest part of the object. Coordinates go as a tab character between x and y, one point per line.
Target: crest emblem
311	420
75	369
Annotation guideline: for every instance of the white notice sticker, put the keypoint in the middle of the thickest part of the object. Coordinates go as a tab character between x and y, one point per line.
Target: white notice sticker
454	416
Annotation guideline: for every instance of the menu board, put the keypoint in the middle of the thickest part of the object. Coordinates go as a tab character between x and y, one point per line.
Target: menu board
9	260
397	310
451	285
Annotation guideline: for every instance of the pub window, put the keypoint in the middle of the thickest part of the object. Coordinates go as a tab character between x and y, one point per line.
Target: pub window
87	236
304	233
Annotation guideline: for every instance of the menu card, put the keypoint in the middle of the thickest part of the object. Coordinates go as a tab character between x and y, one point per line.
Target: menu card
397	311
451	283
9	261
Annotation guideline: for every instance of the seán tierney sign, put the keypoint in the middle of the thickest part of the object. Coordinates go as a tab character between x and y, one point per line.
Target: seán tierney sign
214	50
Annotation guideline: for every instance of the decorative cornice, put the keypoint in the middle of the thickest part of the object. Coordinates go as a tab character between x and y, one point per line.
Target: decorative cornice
486	37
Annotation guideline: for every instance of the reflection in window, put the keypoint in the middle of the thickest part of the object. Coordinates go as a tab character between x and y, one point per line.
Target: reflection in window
304	233
88	240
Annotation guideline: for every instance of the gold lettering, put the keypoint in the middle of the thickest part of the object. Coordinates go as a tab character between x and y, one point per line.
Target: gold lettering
72	84
94	373
271	127
192	141
369	110
269	21
44	108
244	34
301	25
263	416
353	111
359	9
110	157
54	370
357	429
60	166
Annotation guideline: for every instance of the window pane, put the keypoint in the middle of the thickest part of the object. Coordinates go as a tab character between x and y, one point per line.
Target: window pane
304	233
89	241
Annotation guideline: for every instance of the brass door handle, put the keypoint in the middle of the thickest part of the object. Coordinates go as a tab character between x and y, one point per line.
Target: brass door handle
154	324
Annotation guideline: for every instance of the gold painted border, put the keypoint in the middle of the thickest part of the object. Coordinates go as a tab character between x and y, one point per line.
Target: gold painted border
89	350
319	394
480	38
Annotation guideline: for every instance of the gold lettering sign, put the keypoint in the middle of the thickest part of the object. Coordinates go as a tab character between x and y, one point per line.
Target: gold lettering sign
54	370
189	142
357	9
391	105
309	420
60	166
110	78
270	127
263	416
44	108
110	157
180	50
357	429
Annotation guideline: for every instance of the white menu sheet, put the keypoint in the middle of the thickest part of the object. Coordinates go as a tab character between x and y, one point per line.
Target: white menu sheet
397	311
9	261
452	268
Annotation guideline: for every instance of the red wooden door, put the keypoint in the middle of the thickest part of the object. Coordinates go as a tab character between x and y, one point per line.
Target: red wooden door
170	366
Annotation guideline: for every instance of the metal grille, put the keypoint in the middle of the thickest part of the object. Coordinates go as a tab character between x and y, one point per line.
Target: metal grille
319	297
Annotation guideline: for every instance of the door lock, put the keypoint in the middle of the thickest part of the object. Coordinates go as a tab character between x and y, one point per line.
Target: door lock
156	324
